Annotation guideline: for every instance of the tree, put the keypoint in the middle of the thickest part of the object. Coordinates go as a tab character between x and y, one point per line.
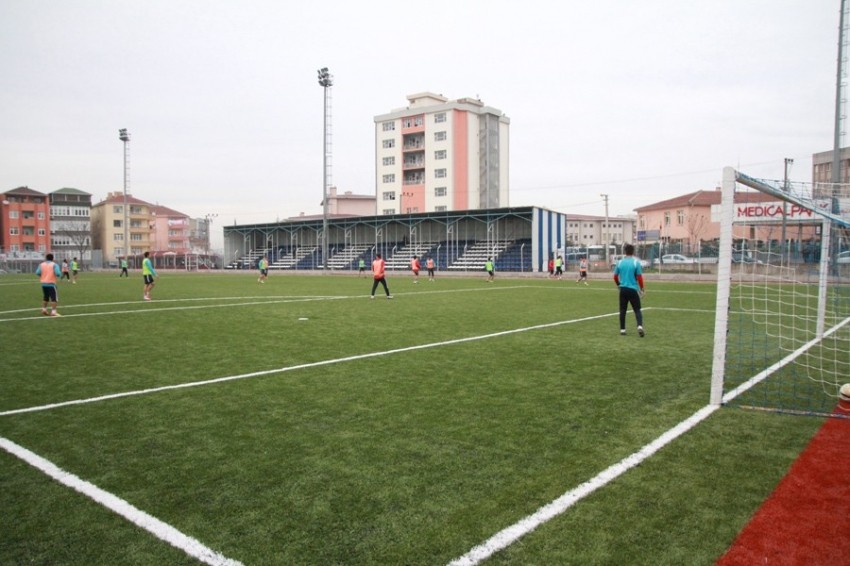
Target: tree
77	232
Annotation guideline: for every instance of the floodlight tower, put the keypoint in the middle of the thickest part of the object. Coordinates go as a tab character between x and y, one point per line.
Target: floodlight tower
124	136
326	82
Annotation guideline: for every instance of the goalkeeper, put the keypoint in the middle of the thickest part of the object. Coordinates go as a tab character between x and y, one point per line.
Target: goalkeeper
629	278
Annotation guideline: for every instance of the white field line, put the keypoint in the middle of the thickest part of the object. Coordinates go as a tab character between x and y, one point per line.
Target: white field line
301	366
183	300
159	529
63	308
511	534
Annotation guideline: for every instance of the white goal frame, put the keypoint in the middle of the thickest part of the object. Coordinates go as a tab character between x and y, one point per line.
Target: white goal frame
823	217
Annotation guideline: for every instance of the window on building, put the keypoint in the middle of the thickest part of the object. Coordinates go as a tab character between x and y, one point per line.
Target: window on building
440	136
117	251
41	216
666	218
117	237
440	191
29	231
117	223
388	211
440	154
42	232
135	237
388	195
389	160
441	208
390	178
388	143
27	214
680	217
13	214
439	173
388	126
136	210
440	117
13	231
117	209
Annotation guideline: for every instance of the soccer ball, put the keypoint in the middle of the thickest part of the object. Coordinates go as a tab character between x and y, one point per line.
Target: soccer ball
844	392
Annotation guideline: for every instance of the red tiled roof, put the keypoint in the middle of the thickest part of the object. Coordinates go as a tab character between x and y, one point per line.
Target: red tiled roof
704	198
25	191
165	211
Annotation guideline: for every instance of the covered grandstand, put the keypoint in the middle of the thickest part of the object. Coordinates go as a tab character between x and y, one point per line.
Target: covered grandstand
519	239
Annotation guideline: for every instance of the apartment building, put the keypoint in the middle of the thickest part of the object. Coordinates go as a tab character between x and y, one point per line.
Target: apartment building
24	223
170	231
586	230
70	224
439	155
107	221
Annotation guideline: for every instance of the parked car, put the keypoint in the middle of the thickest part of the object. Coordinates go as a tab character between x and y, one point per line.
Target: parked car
744	257
615	259
843	257
676	259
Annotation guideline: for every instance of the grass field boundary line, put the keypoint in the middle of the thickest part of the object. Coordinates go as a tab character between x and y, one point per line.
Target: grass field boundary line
240	304
160	301
156	527
526	525
320	363
163	309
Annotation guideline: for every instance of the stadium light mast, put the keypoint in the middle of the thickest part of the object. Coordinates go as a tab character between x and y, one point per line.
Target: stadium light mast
124	136
326	82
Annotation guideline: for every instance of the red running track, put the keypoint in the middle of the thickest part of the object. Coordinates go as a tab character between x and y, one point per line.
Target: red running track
806	520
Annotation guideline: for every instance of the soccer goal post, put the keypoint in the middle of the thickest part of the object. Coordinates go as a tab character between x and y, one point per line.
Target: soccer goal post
782	320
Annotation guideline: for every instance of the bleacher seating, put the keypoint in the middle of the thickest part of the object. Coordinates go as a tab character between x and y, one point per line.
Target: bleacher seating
456	255
475	255
345	257
399	259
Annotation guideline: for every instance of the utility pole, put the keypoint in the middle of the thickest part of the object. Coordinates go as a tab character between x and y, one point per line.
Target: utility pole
607	229
785	187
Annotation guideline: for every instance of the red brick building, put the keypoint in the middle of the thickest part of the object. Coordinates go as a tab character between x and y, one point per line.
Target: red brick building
24	223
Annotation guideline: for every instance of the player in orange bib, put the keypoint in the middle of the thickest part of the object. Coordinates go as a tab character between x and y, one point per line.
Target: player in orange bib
430	265
378	269
414	267
48	272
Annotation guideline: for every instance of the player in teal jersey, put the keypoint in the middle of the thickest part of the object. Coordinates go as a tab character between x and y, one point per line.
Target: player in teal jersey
628	276
148	274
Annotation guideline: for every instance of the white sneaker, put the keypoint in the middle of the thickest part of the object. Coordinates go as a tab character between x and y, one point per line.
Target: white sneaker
622	333
371	296
641	332
389	296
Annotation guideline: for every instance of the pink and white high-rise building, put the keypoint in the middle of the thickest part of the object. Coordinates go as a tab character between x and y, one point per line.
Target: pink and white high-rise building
439	155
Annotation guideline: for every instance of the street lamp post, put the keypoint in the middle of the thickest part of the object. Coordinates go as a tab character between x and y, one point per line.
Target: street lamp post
124	136
326	82
607	229
209	220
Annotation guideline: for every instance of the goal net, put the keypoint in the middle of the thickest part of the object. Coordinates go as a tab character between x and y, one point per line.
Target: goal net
782	327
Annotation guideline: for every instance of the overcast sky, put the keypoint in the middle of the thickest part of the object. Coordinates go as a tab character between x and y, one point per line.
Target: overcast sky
642	100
